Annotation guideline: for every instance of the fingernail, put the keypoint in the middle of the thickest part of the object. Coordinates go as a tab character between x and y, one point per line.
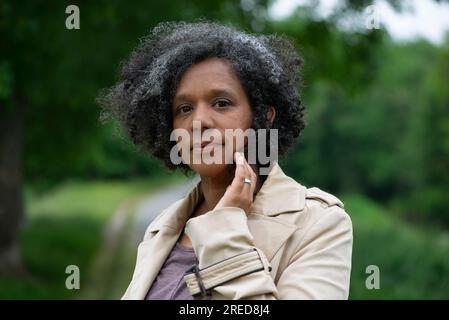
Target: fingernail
239	158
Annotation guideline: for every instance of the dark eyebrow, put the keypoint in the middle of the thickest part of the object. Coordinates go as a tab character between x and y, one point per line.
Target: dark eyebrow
211	93
221	92
182	96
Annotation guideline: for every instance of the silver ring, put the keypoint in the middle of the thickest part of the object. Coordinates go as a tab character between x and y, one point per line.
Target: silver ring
248	181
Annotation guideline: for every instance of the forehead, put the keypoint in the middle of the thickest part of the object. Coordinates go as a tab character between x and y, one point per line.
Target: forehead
212	73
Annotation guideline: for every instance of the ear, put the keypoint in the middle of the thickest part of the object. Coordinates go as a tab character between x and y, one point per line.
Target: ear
271	114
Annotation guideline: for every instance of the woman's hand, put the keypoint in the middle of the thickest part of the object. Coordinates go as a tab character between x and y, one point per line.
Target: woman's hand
240	194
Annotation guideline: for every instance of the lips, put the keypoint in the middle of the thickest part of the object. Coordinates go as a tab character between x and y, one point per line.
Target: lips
200	145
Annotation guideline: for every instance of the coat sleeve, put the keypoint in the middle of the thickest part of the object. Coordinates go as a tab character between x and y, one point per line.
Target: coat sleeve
233	268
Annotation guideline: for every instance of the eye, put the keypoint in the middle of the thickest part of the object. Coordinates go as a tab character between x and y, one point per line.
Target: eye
222	103
183	109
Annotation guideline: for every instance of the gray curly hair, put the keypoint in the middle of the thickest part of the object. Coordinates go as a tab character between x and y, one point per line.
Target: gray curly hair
267	66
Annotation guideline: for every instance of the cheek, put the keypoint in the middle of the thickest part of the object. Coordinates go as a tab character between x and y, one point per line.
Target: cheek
247	117
176	124
239	125
242	118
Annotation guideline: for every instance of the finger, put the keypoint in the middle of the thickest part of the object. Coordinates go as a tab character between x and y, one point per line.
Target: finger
248	188
251	176
240	173
251	172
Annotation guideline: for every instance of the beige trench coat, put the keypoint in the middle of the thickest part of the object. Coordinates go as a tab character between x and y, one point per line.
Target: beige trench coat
296	243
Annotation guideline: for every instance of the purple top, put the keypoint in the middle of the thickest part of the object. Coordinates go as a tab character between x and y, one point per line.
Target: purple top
169	283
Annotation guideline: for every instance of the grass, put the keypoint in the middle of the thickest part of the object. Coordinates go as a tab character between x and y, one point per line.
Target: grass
65	227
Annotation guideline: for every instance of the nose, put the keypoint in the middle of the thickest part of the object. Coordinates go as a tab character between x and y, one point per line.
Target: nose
203	117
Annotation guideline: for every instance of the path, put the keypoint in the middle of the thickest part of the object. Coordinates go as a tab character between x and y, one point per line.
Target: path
112	269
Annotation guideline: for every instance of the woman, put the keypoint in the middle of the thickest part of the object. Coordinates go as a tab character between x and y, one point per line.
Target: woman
240	233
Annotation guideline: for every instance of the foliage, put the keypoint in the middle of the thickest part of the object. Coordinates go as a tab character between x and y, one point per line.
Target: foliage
377	125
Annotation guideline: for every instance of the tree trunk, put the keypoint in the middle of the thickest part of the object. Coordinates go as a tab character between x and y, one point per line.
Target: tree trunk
11	207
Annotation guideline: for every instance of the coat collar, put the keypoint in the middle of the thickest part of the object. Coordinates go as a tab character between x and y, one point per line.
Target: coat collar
279	194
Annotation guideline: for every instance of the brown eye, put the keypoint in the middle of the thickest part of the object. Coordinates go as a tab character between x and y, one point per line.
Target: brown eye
222	103
184	109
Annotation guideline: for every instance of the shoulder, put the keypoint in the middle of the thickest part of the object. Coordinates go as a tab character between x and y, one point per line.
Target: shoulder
324	208
324	198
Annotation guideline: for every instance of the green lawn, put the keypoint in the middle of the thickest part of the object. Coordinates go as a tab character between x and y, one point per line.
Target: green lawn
64	227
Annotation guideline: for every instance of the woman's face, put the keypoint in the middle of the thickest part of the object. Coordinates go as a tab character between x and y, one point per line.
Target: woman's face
210	99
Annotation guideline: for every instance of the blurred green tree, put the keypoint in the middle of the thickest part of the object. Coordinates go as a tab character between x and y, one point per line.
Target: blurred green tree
364	90
49	77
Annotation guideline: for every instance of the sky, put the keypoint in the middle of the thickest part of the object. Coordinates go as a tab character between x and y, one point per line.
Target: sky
423	18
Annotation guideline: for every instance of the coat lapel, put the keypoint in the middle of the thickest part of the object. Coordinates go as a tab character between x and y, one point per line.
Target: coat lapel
160	237
269	234
279	194
151	256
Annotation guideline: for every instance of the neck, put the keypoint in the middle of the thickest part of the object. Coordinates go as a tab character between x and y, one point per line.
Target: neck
213	189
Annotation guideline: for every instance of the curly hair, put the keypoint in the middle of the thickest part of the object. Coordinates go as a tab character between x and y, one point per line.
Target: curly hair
267	66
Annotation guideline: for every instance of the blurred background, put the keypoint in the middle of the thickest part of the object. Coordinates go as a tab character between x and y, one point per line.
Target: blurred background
74	192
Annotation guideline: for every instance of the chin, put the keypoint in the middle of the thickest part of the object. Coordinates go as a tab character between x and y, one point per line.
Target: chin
210	170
